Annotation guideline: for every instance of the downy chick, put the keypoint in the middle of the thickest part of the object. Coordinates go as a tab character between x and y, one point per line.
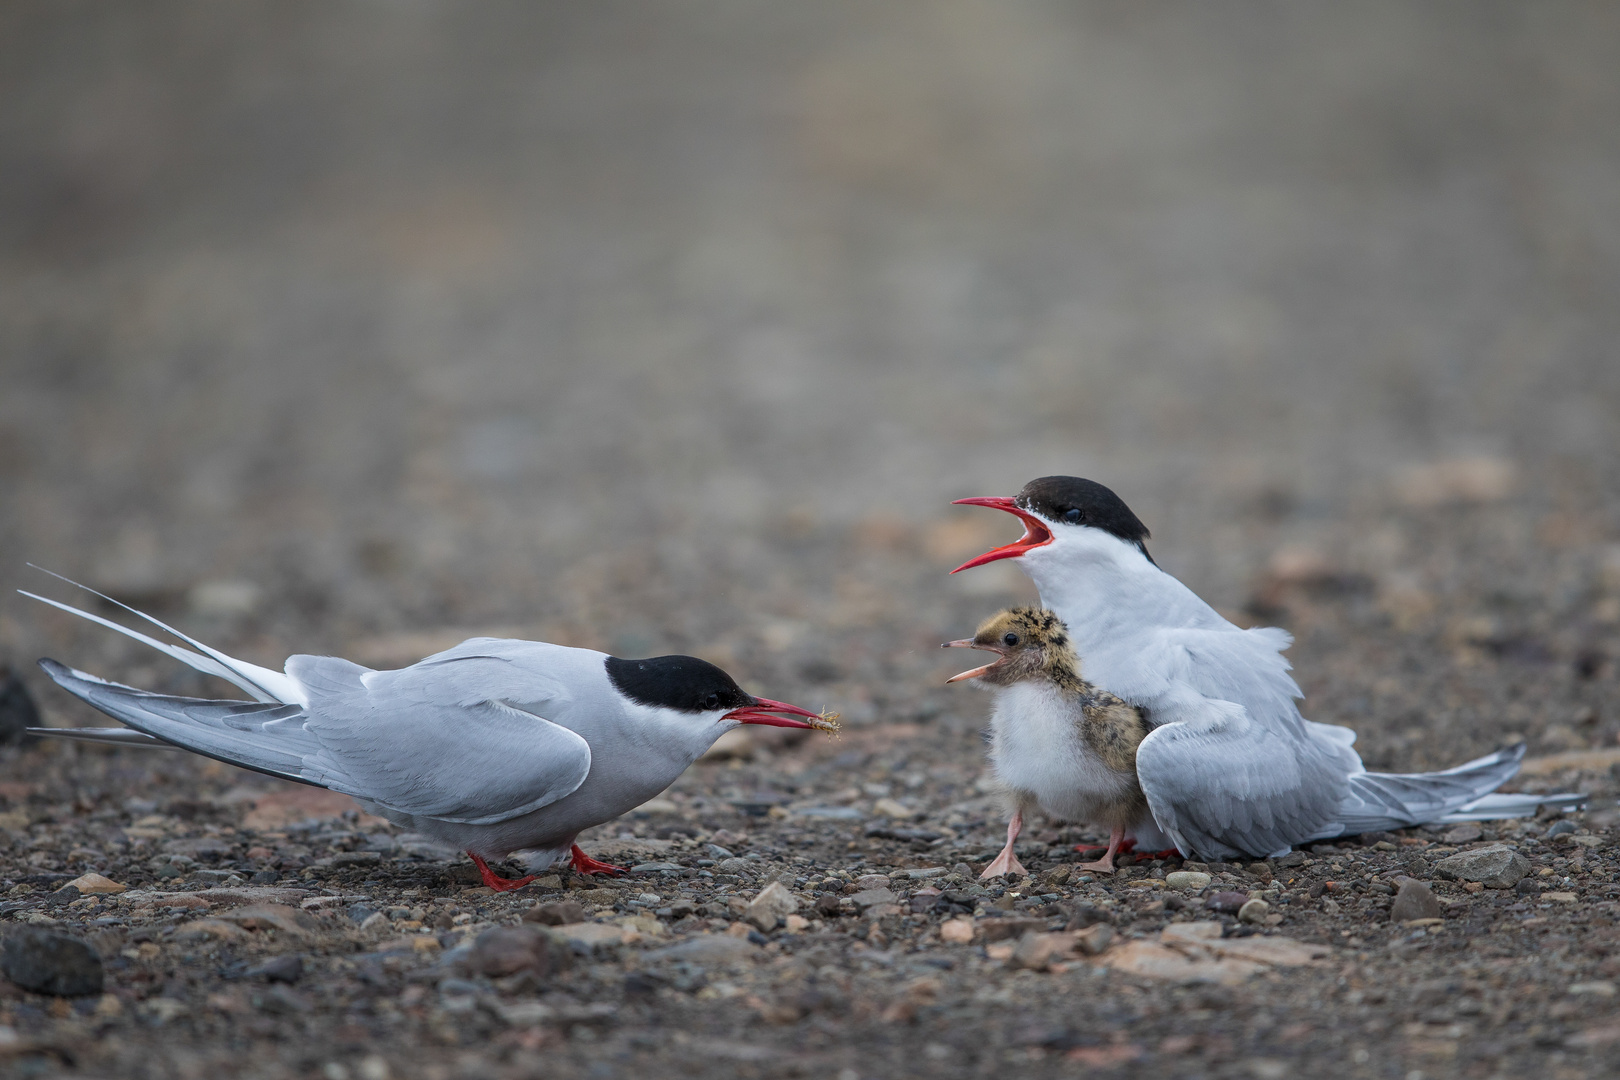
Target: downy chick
1056	741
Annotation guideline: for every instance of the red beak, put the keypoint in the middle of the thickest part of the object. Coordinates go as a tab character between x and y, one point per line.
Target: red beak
1035	531
760	713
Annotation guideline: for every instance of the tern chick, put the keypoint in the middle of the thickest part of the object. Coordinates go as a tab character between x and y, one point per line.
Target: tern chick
496	745
1056	741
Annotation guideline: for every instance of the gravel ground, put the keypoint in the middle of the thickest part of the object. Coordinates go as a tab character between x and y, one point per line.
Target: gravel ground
361	330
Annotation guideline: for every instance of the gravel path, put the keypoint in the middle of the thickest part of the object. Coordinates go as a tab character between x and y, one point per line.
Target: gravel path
361	330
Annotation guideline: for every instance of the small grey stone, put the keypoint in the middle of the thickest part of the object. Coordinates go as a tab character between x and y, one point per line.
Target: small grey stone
1559	828
1466	833
1188	880
773	904
1255	911
1011	928
871	897
49	962
557	913
207	847
18	712
655	867
1229	902
1415	900
718	852
282	969
505	950
1493	867
708	949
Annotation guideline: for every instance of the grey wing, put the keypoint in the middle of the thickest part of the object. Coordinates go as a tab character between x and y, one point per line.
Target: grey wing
1222	785
457	738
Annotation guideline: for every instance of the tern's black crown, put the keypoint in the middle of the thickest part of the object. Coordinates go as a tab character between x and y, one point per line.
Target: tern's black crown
676	682
1069	500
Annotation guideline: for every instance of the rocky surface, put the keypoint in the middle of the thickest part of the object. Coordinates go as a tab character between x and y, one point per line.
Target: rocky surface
676	329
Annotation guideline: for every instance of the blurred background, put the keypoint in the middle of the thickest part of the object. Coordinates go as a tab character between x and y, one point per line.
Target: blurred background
355	327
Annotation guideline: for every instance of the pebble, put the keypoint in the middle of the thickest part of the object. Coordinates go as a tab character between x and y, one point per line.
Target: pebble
1230	902
1187	880
18	712
891	808
50	962
281	969
708	949
1594	989
1255	911
557	913
956	931
871	881
773	904
1493	867
1415	900
506	950
94	883
1465	833
869	897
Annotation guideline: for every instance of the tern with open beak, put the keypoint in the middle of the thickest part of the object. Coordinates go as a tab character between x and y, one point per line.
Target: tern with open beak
497	746
1230	766
1056	741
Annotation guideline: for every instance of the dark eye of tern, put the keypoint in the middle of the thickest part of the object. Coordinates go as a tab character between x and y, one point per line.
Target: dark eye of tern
1009	639
712	701
1075	516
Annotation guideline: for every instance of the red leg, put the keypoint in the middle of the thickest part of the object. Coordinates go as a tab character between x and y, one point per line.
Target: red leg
494	880
584	864
1126	846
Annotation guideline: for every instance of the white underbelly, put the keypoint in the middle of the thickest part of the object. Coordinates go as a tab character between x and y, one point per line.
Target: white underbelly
1037	749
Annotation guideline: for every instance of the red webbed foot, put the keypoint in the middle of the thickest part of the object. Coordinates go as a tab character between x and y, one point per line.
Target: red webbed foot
494	880
1125	847
584	864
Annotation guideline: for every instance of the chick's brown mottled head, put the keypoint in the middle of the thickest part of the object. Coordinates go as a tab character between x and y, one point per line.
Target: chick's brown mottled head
1033	642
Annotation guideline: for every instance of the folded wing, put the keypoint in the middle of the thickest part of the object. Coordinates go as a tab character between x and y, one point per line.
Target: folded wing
1223	785
457	737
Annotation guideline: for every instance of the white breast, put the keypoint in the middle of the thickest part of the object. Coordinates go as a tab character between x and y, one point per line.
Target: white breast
1036	750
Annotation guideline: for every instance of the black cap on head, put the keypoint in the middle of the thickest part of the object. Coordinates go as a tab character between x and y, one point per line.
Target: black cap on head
1070	500
676	682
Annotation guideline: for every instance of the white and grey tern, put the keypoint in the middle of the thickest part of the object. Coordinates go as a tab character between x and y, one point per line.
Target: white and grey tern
1230	766
496	746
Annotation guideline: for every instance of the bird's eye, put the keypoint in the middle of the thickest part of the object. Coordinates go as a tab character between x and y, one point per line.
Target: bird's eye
712	701
1009	639
1075	516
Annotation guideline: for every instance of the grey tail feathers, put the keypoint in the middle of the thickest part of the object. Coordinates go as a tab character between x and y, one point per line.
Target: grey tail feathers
261	683
107	736
265	736
1378	801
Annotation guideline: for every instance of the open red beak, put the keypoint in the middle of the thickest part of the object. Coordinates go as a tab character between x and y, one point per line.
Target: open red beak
762	708
1035	531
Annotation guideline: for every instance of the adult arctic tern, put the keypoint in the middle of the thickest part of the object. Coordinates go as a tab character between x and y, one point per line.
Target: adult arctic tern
496	745
1230	767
